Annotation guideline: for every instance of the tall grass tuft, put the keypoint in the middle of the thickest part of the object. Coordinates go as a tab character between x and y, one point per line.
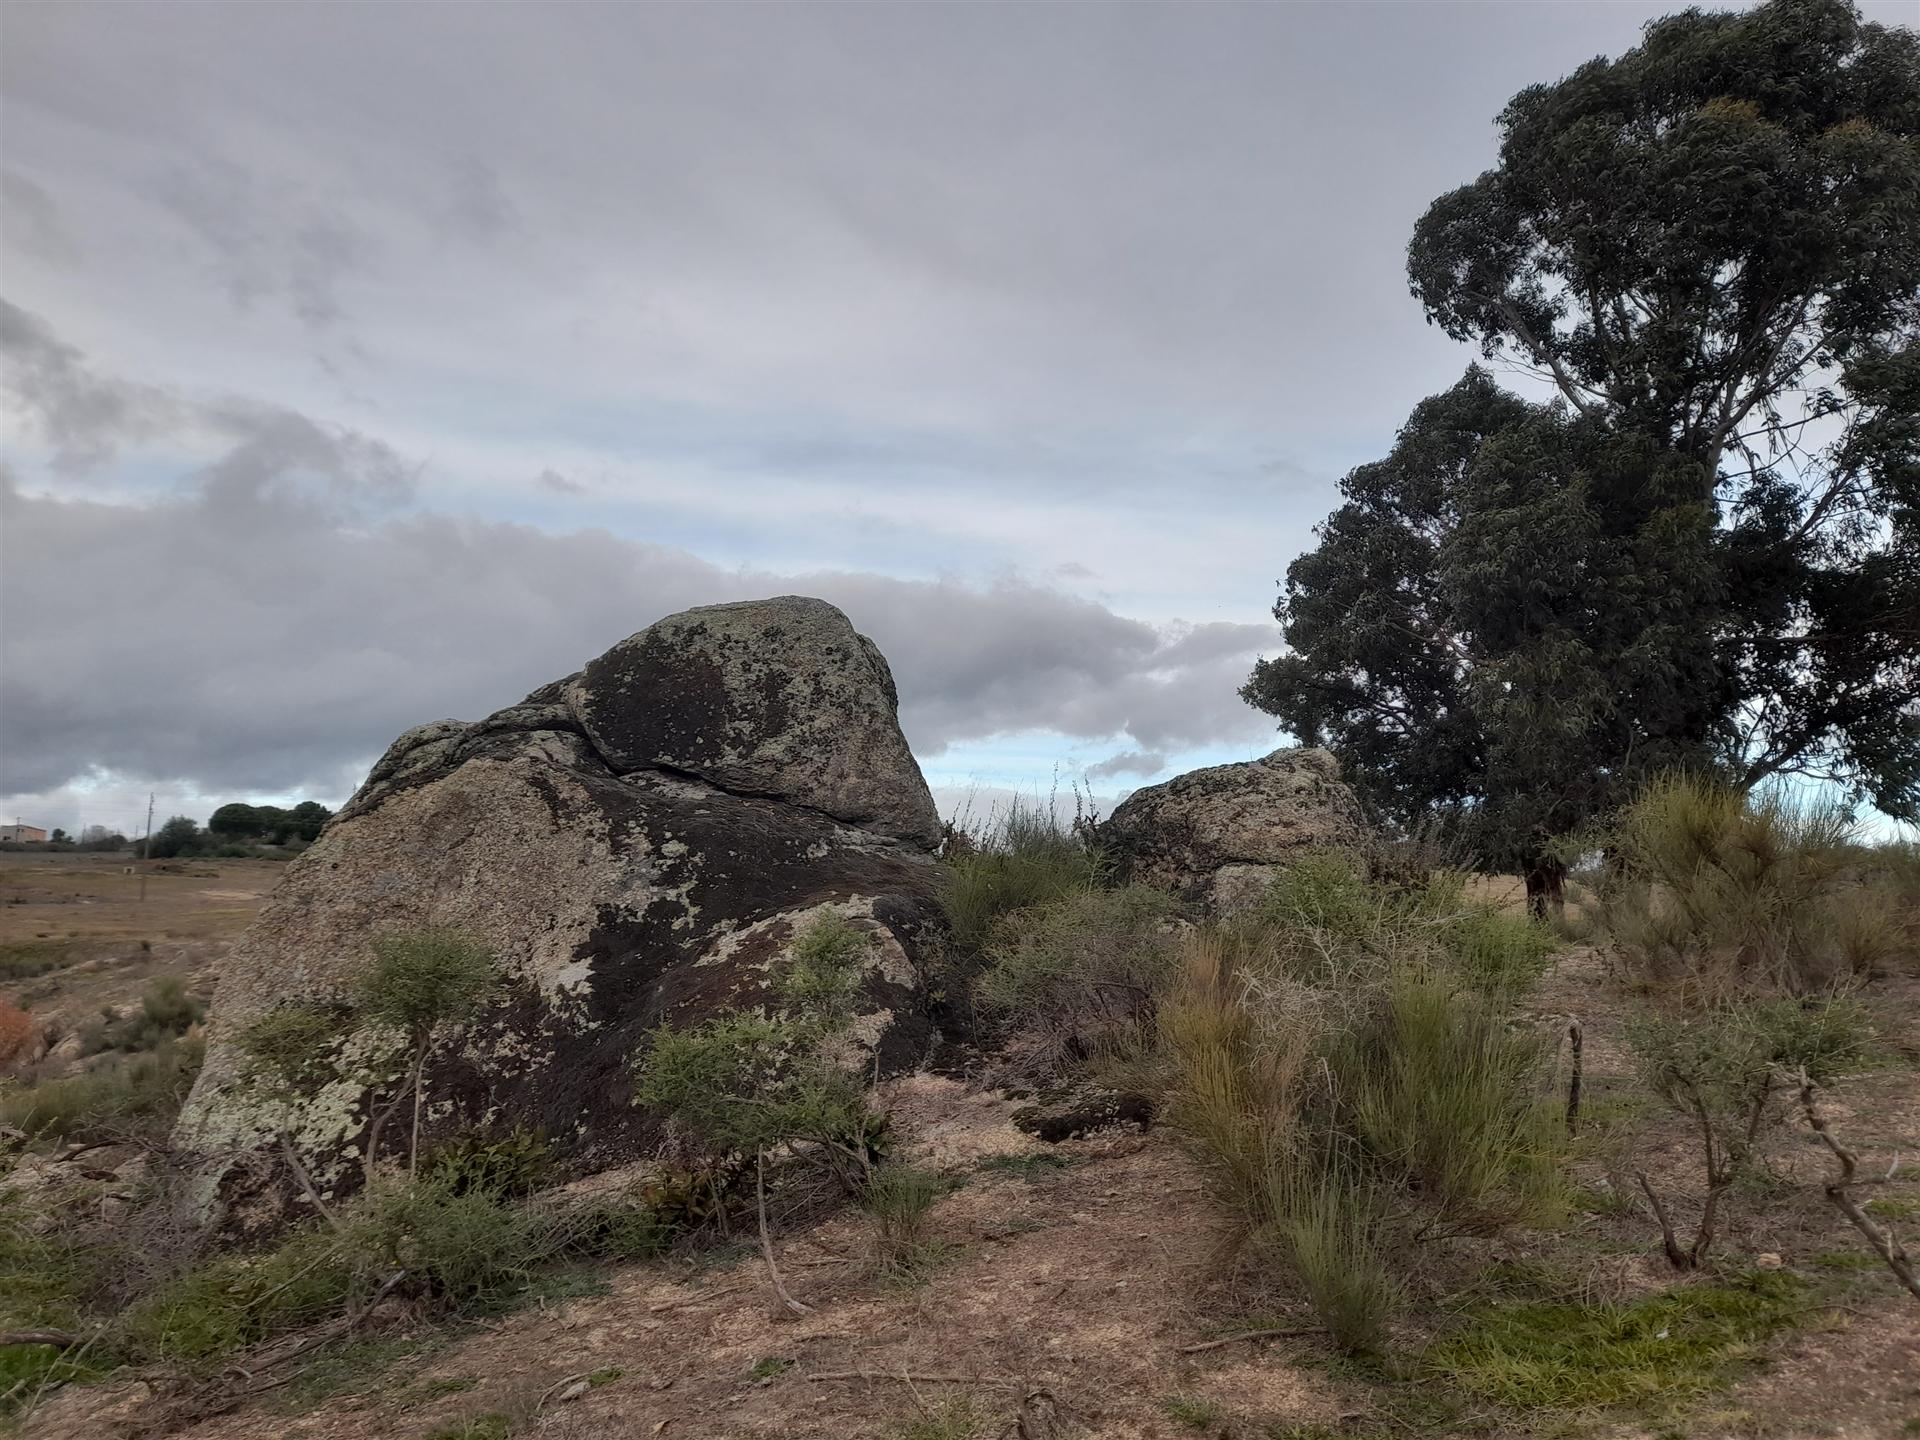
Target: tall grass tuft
1026	855
1723	892
1343	1067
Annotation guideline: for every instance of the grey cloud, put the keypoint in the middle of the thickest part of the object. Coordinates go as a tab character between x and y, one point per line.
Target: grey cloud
477	205
1128	762
263	643
266	239
83	417
553	481
29	220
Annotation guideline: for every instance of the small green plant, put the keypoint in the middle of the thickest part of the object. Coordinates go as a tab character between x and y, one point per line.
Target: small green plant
419	982
166	1011
898	1199
1193	1411
826	960
1026	856
953	1417
511	1164
769	1367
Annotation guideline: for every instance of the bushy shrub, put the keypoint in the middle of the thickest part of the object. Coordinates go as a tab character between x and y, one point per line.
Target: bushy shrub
1078	977
166	1010
227	1304
1027	856
510	1164
1722	892
112	1100
743	1084
1443	1094
1729	1074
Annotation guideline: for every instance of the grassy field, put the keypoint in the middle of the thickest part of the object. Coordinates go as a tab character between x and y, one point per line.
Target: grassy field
76	931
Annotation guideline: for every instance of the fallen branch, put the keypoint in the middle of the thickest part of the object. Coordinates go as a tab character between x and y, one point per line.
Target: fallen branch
1269	1333
64	1339
1840	1194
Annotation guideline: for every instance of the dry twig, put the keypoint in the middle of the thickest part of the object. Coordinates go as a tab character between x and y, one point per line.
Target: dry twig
1840	1194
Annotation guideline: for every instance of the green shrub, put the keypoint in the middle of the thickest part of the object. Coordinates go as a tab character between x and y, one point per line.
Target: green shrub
1028	856
234	1302
1077	978
1329	1216
1728	1073
1723	893
1495	952
827	959
113	1098
1343	1067
899	1198
512	1164
742	1084
166	1010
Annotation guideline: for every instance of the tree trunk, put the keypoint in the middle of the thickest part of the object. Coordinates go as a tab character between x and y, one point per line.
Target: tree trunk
1546	889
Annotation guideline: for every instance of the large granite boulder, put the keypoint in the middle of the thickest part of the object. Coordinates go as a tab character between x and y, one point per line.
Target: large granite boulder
639	844
1217	835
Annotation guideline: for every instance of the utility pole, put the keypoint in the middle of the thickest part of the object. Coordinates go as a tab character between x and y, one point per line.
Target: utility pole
146	844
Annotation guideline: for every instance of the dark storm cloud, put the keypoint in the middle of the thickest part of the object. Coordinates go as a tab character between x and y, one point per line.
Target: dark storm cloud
278	616
246	637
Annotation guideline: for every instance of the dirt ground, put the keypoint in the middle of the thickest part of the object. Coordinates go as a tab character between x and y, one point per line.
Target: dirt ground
86	913
1072	1283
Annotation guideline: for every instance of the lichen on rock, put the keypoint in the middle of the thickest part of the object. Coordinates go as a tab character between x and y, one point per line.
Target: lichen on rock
636	844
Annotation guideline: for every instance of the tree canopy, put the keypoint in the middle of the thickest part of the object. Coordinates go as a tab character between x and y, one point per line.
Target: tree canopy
1703	550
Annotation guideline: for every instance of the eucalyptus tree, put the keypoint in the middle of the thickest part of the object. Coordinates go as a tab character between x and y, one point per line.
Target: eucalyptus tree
1703	550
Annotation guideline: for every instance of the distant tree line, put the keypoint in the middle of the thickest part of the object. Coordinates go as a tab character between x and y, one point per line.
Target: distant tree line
239	829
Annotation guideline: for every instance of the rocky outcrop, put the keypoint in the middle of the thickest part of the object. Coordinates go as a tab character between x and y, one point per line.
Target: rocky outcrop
1217	835
639	844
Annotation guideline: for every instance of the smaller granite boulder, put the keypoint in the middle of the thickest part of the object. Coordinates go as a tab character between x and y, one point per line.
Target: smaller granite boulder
1217	835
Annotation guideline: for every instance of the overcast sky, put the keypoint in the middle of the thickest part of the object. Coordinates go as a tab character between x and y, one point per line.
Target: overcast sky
372	364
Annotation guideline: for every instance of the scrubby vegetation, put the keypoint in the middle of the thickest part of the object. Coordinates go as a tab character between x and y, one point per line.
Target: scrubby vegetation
1338	1064
1717	892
